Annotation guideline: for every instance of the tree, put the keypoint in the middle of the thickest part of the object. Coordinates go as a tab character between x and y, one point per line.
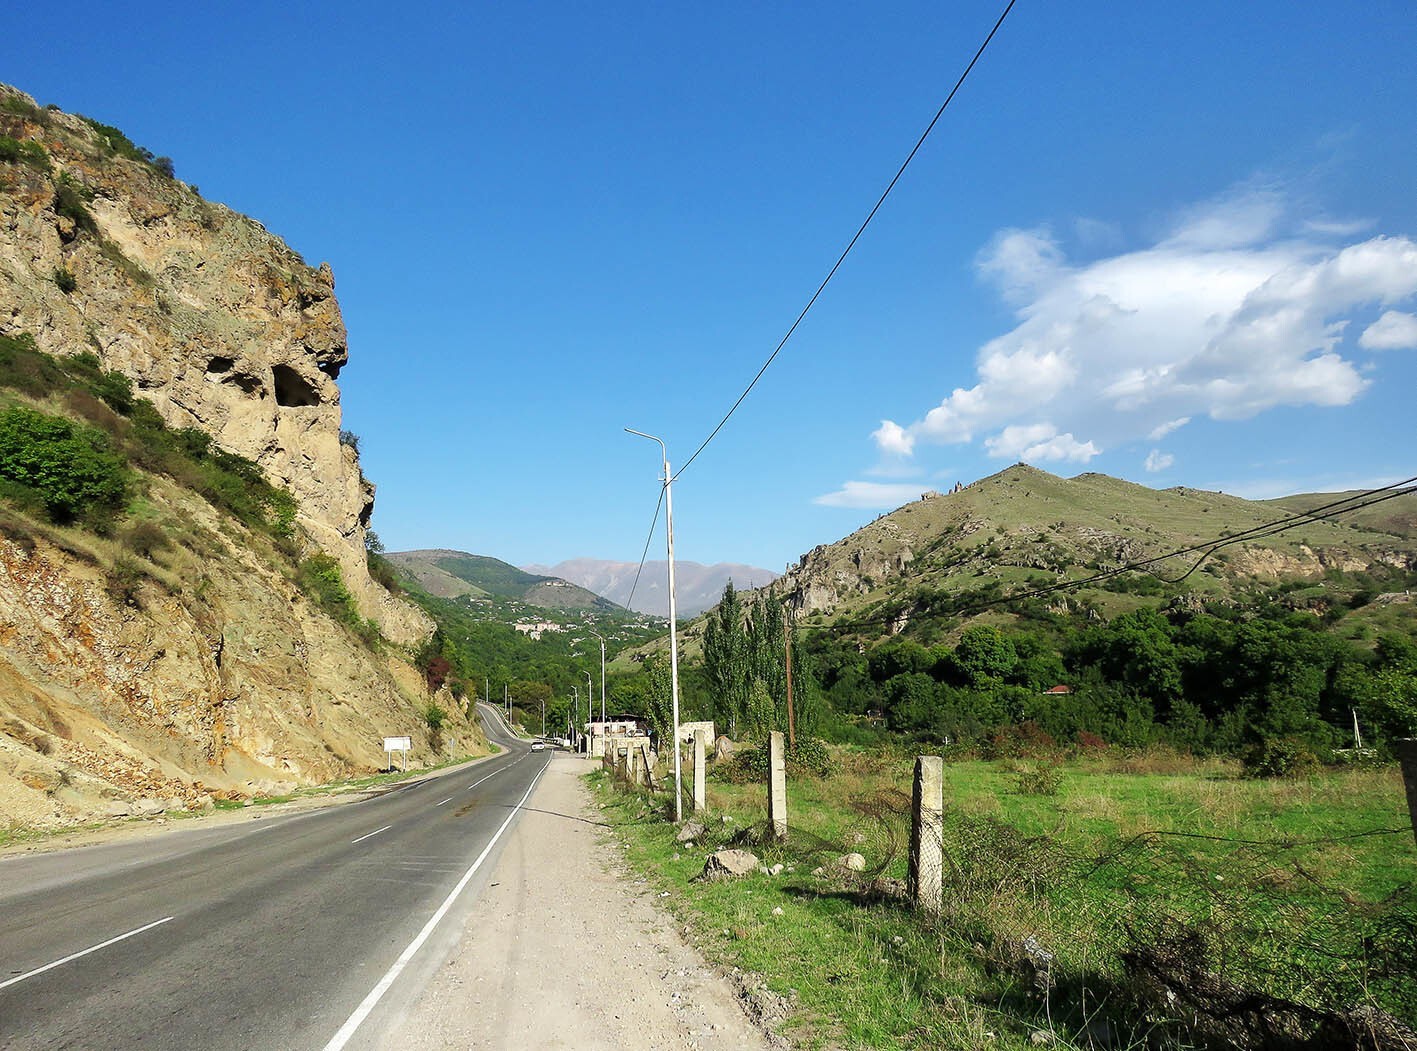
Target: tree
726	661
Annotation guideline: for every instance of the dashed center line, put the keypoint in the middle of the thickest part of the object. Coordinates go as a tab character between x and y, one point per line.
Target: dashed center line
82	952
441	802
362	838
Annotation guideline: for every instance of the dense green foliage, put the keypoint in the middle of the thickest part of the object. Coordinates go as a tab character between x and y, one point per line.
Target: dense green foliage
745	665
68	469
1206	683
136	436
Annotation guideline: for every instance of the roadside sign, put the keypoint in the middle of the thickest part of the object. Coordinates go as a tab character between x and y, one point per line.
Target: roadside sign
398	744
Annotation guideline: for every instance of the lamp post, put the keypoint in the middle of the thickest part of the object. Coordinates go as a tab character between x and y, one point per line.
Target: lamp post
575	703
673	633
602	677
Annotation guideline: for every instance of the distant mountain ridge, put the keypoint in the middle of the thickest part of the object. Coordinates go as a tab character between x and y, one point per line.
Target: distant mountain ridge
696	587
444	573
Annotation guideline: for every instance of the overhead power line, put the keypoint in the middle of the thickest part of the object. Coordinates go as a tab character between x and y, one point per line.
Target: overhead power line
645	553
1322	513
855	237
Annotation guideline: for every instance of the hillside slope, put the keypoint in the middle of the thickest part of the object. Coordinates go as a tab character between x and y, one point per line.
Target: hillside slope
452	574
1024	526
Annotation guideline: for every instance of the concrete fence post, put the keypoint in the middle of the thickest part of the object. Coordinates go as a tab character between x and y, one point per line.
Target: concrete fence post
926	872
777	785
647	765
633	762
700	762
1406	749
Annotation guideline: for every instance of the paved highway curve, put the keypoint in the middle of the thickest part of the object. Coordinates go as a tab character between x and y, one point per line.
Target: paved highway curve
313	930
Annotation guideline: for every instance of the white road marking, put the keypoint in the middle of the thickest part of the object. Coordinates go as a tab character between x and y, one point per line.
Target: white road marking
83	952
376	994
362	838
448	800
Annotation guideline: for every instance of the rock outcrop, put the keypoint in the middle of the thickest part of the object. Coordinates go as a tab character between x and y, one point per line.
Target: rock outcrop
206	674
218	323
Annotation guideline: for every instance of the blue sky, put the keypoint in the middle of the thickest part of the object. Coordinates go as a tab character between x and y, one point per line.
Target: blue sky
1173	243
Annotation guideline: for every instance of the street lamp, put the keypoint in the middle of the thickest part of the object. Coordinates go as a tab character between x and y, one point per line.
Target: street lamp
673	633
602	677
576	703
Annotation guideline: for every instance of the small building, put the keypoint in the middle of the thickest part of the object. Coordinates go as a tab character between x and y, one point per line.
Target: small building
1057	691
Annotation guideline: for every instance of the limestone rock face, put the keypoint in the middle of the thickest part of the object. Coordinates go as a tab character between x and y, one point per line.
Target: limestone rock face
217	322
209	675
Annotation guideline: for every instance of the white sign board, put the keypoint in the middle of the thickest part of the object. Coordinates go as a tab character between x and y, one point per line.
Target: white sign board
398	744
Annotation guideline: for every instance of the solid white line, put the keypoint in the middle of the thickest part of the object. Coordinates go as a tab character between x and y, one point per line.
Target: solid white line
362	838
83	952
448	800
377	993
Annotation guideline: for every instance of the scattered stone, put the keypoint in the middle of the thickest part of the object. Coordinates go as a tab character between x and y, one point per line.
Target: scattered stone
777	911
117	808
147	807
727	820
776	870
1042	1038
852	862
691	831
728	864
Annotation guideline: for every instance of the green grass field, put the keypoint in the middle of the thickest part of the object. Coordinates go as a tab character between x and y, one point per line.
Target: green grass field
1286	888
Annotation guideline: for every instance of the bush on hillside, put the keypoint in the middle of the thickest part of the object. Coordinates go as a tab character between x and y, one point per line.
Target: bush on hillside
72	468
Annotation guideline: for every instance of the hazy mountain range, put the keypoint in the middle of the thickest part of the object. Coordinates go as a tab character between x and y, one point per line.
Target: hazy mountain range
696	587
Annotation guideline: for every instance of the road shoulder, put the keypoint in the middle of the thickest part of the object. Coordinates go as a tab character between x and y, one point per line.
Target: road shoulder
564	950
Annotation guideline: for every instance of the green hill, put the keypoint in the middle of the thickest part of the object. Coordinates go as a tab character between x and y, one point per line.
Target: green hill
455	574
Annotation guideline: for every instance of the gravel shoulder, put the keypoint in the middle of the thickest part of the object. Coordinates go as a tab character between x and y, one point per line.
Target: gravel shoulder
563	949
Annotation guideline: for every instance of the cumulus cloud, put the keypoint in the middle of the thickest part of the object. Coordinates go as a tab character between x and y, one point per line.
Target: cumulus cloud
874	496
1039	443
1237	310
1156	460
892	438
1393	331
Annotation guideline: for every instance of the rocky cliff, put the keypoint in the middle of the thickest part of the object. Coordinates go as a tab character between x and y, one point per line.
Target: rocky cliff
217	322
189	665
203	673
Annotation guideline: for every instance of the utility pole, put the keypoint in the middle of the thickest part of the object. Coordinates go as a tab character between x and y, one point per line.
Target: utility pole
575	706
589	702
543	717
673	630
507	700
602	679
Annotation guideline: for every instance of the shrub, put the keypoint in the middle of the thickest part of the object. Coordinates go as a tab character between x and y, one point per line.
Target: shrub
809	759
1043	779
71	200
64	279
1280	757
144	538
320	578
434	717
23	151
71	467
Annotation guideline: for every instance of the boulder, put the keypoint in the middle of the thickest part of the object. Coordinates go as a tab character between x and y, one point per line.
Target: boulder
723	748
729	864
691	831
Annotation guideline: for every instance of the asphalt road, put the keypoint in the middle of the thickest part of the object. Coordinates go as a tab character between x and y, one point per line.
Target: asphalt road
314	930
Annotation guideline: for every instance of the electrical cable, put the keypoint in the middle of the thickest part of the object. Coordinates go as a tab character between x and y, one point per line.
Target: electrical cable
1323	512
856	237
645	553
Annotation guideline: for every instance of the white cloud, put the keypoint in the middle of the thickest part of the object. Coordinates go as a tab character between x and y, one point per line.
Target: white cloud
1393	331
1156	460
1222	317
1039	443
892	438
1170	426
872	495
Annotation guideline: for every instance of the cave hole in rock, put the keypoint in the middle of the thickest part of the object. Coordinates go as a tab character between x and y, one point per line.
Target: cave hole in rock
219	365
293	389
